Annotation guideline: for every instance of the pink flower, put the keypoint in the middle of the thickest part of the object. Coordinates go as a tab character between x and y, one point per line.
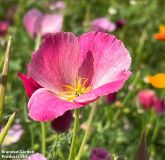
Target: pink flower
29	84
4	25
75	71
59	5
51	23
110	98
62	123
159	106
103	25
36	156
120	23
32	21
100	154
147	98
37	23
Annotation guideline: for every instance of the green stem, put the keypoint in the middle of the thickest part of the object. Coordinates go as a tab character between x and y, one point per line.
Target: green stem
140	47
135	80
7	127
37	41
32	136
43	138
3	78
156	130
127	97
86	133
75	130
162	94
51	138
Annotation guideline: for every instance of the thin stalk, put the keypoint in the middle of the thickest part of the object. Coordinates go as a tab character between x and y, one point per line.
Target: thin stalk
7	127
127	97
140	47
135	80
156	130
86	22
32	137
3	78
86	133
162	94
37	41
51	138
74	138
43	138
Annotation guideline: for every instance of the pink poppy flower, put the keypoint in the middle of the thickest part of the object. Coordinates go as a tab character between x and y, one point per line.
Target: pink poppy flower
120	23
159	106
103	25
4	25
51	23
37	23
62	123
100	154
32	21
147	98
75	71
110	98
36	156
29	84
59	5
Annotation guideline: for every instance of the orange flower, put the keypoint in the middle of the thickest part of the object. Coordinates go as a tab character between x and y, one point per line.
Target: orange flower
161	35
157	81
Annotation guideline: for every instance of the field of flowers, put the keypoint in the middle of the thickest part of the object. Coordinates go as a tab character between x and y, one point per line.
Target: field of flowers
82	80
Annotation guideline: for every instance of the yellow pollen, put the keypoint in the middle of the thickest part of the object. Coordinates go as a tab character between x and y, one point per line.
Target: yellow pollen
73	91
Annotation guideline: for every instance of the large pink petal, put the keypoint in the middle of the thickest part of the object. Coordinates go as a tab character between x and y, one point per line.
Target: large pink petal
56	61
51	23
104	55
45	106
32	20
105	89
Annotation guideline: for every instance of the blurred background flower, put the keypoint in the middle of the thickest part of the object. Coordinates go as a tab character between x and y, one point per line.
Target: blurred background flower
62	123
147	98
103	25
36	156
157	80
110	98
161	35
120	23
159	106
59	5
14	135
4	25
37	23
32	20
100	154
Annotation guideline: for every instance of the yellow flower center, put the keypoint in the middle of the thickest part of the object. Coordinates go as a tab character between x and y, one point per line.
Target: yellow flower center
73	91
